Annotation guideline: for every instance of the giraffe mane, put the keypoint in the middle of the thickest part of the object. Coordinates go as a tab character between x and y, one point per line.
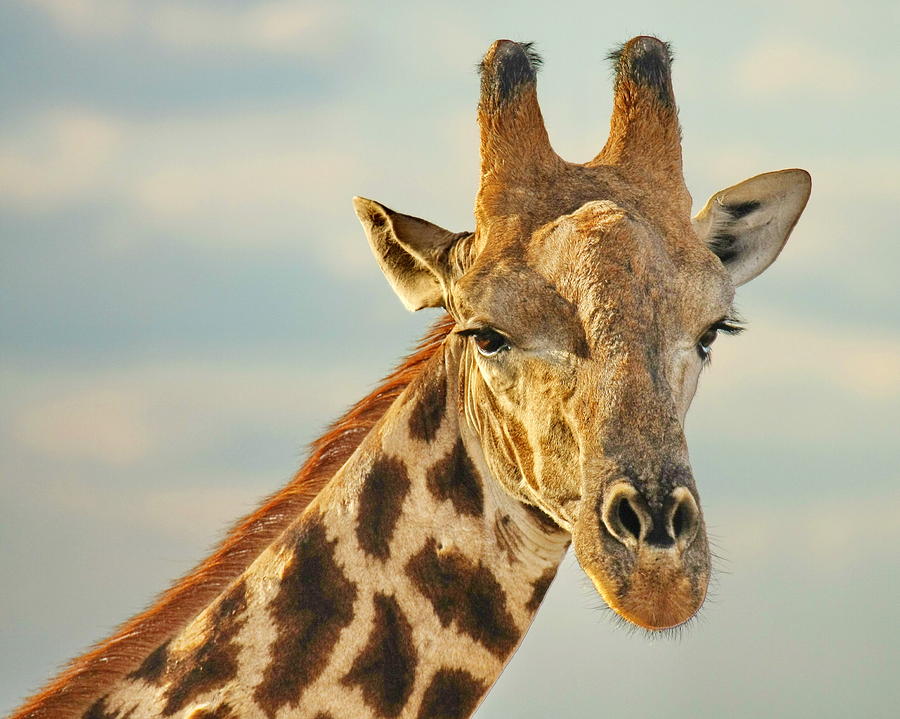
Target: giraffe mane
112	658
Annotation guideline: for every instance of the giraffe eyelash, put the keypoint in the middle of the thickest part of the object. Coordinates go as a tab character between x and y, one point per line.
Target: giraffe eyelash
731	325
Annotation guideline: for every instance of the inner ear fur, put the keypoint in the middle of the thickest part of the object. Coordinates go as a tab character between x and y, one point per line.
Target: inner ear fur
413	254
746	225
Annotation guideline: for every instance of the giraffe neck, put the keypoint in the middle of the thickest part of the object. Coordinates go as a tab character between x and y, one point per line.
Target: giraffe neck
401	591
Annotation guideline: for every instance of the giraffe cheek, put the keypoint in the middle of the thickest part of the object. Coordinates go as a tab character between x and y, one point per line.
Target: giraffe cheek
502	377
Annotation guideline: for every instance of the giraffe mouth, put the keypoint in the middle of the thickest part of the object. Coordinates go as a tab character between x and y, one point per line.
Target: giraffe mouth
656	596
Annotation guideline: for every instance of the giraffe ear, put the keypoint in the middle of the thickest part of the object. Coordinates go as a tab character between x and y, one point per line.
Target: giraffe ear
747	225
412	253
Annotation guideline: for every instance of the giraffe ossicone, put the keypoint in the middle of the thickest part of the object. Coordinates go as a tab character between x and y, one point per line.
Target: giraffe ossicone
399	570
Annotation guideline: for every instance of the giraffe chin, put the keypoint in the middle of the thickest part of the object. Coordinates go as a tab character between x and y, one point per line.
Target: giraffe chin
656	595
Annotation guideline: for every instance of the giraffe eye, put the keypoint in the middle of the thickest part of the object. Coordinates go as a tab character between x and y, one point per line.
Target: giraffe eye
728	326
706	339
487	341
490	342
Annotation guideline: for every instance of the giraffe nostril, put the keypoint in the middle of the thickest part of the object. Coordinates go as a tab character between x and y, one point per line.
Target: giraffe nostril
624	514
628	517
685	516
678	520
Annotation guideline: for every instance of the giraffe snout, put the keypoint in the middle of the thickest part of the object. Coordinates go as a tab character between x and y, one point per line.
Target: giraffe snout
645	549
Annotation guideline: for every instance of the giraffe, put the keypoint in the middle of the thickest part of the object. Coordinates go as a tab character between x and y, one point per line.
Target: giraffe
399	570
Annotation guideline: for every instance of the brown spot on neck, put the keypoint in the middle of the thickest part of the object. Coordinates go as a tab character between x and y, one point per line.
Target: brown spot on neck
214	662
507	536
380	505
98	710
313	606
452	694
539	589
152	668
455	478
466	594
386	669
426	418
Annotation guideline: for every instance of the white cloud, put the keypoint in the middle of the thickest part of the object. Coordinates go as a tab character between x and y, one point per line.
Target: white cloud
200	512
279	26
280	178
786	67
832	533
857	360
124	417
104	425
807	384
193	513
286	27
62	156
837	176
256	192
241	179
90	18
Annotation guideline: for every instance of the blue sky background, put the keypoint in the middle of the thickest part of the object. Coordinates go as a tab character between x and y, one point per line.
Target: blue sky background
186	299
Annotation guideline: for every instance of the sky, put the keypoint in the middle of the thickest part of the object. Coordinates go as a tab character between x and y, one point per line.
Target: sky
187	299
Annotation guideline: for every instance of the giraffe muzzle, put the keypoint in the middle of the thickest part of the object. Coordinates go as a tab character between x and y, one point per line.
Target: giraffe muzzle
649	560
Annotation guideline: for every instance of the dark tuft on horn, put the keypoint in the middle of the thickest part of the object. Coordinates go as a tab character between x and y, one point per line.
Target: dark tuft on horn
515	149
510	66
647	62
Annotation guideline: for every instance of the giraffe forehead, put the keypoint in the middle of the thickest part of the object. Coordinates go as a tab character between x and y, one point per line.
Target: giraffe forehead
602	242
598	271
620	270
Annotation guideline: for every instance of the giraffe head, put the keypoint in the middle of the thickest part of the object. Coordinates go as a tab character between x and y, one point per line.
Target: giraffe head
586	301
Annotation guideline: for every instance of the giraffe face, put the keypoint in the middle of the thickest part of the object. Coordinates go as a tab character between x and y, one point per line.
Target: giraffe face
580	351
586	301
